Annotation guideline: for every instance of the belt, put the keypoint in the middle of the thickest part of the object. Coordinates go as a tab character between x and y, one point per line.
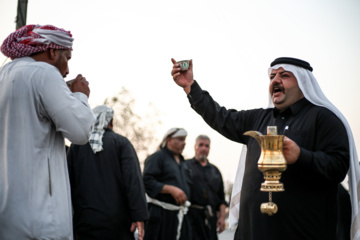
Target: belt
183	209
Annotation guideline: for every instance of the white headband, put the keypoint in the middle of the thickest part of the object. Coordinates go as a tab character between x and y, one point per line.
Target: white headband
58	37
174	132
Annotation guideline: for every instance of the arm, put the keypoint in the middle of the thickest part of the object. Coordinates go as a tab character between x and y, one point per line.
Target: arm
132	180
69	112
221	219
153	171
327	158
151	174
176	193
223	204
230	123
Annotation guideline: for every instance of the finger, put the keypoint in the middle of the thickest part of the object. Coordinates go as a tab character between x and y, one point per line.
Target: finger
141	232
140	235
176	76
190	64
173	61
133	227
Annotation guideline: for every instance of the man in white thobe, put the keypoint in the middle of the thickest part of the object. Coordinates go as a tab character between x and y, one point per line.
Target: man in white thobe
37	111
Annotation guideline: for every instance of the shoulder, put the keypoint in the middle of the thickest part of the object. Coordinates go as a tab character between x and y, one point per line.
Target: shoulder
190	162
35	69
45	67
257	113
214	167
119	140
160	154
110	133
324	114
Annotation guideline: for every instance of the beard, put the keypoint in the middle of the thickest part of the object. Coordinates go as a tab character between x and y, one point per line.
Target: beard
202	157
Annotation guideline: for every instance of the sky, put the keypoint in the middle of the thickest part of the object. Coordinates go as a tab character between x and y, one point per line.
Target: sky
232	43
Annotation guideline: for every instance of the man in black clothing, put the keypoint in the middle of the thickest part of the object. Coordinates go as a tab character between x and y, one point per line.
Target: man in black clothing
316	148
107	191
166	178
207	210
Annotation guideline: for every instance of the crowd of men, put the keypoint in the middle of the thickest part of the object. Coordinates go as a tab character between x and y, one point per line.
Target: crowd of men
95	189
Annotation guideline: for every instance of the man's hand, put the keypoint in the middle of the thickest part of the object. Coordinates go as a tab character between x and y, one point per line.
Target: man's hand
220	225
291	150
80	84
140	227
176	193
183	78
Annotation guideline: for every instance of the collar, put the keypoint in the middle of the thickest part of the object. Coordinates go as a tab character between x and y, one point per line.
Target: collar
294	109
198	163
171	153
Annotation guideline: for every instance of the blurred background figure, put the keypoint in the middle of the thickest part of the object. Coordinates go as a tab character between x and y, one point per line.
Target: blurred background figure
207	210
108	194
167	184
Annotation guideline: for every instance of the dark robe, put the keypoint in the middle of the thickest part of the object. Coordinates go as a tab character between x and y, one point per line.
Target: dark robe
207	189
344	214
107	189
161	168
307	207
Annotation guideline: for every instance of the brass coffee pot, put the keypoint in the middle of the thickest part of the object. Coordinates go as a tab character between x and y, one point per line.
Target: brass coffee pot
272	163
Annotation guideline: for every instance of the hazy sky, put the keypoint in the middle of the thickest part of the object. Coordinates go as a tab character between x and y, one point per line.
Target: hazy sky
130	43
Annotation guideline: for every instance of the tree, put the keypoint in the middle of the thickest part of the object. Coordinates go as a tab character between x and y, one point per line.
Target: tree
140	130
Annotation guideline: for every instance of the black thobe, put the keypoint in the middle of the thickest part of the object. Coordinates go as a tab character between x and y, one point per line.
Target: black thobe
344	214
161	168
106	188
307	207
207	189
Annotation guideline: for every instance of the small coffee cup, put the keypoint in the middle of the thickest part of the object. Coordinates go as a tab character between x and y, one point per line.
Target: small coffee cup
184	64
70	82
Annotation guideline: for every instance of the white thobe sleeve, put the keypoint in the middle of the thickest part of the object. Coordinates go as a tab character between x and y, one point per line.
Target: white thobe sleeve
69	112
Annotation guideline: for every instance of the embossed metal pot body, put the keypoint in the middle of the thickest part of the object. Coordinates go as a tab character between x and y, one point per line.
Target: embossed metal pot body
272	161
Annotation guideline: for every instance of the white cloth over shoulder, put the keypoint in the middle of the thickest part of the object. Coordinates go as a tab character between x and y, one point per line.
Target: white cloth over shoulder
312	92
37	111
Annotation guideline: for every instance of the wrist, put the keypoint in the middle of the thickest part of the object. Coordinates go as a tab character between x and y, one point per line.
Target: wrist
187	88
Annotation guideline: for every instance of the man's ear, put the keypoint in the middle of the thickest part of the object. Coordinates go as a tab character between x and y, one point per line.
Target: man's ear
52	53
110	125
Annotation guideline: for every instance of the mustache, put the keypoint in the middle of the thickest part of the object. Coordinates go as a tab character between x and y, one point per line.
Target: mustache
277	88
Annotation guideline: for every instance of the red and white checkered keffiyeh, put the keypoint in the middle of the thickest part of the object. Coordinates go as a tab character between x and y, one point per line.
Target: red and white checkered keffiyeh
35	38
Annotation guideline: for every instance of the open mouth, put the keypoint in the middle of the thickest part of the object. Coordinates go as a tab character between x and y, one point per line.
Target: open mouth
277	89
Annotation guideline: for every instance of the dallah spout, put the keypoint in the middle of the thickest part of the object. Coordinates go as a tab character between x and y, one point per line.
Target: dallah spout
254	134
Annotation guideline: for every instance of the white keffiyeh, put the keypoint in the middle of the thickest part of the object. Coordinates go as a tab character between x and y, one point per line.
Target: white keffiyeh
103	116
313	93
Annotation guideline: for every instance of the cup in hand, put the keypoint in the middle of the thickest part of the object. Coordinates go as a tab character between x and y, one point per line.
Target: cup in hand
184	64
69	83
